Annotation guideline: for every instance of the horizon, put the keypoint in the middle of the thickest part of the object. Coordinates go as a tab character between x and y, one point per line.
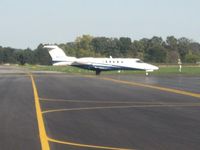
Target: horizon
53	43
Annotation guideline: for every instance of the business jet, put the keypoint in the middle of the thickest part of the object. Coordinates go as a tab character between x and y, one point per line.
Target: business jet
59	58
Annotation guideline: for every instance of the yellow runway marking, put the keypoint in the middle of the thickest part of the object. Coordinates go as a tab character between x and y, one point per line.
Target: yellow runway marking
43	136
85	145
157	88
42	131
98	102
122	107
182	92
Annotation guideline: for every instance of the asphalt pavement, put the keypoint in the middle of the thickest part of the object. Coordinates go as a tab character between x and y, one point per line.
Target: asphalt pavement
18	122
104	112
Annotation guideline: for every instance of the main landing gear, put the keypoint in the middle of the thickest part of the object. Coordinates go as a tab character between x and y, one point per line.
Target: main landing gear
98	72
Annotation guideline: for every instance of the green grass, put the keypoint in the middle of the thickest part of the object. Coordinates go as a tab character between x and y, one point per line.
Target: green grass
163	70
66	69
174	70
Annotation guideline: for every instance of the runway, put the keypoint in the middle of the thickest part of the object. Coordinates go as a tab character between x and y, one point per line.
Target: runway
18	121
82	112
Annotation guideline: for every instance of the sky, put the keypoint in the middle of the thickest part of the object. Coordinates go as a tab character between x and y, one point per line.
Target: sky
27	23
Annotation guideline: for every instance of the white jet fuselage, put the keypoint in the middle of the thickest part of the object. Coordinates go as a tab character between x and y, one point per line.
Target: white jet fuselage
98	64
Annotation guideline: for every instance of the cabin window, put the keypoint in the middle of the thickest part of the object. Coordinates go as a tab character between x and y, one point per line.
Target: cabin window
109	61
139	61
117	61
121	61
113	61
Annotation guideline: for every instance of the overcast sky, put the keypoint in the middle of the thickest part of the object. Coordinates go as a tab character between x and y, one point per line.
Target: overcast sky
26	23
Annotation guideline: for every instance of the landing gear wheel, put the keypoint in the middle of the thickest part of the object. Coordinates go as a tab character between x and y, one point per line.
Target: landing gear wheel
98	72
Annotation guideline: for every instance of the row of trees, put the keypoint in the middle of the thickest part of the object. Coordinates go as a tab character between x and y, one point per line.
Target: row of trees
154	50
150	50
17	56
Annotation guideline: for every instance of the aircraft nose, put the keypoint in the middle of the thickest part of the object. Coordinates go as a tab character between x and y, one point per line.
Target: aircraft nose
155	67
152	67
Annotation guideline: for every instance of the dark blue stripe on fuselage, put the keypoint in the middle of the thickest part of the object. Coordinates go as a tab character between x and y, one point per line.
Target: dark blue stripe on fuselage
104	68
99	67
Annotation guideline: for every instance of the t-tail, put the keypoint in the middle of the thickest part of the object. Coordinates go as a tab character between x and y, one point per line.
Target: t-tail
58	56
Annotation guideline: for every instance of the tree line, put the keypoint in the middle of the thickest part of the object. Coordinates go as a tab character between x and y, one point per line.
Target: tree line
26	56
154	50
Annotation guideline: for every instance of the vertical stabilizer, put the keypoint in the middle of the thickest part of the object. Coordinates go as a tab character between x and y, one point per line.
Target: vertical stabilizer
56	53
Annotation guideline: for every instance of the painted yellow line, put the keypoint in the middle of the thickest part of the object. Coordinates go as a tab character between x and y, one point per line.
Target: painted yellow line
42	132
182	92
98	102
45	139
157	88
85	145
43	136
123	107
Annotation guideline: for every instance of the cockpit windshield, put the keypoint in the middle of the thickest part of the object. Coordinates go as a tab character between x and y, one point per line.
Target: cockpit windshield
139	61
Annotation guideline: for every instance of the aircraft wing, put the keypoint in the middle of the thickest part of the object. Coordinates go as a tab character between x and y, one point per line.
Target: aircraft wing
94	66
